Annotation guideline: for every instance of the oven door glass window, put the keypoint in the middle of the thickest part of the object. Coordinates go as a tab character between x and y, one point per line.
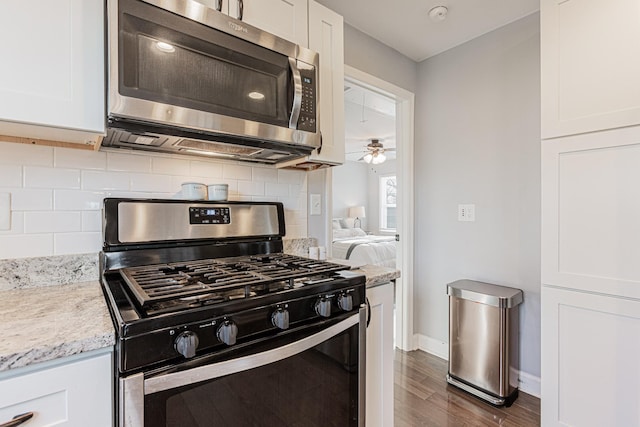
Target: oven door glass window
316	387
172	60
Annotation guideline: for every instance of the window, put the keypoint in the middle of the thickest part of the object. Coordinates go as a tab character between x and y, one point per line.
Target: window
388	190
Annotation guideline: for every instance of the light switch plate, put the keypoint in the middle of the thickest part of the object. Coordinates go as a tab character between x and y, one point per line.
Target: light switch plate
467	213
316	204
5	211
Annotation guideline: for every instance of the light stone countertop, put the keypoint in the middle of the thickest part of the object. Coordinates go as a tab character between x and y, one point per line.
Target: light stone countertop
44	323
47	323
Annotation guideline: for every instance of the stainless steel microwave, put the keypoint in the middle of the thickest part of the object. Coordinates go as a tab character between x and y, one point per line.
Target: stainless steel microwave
186	78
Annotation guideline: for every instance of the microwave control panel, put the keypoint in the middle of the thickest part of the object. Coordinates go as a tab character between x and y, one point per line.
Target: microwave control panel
307	120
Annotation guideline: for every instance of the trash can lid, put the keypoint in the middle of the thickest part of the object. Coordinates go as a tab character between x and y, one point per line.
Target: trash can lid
485	293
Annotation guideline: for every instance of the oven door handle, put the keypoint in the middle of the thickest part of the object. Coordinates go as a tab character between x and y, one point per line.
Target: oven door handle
228	367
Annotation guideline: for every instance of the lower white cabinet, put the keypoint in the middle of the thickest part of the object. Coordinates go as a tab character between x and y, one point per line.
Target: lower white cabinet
590	354
76	392
380	348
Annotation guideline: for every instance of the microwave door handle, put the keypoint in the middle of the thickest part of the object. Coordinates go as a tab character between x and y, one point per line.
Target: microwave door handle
297	96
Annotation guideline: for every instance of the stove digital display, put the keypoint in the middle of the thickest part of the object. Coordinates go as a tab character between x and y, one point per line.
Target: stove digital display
209	216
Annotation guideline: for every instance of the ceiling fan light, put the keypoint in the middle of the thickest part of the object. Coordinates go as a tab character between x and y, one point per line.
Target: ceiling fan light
378	158
368	157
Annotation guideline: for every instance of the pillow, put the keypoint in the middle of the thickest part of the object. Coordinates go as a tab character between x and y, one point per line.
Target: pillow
336	224
347	233
343	223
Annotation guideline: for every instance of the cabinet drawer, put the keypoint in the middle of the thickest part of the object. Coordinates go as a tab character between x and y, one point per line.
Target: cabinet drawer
78	393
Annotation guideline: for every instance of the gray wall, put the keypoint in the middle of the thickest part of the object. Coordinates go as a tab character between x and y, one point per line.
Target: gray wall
369	55
478	141
350	188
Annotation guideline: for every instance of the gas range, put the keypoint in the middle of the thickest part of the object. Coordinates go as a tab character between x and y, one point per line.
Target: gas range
185	280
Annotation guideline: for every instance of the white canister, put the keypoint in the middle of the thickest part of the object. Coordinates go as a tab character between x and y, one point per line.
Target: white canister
322	253
194	191
218	192
313	252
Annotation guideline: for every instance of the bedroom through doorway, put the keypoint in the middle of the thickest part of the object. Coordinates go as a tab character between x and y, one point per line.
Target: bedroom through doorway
372	192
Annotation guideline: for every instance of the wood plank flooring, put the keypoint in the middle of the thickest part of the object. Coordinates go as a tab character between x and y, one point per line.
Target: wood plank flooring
424	398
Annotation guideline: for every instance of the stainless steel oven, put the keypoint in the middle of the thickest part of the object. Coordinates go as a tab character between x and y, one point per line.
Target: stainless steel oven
311	377
189	79
216	326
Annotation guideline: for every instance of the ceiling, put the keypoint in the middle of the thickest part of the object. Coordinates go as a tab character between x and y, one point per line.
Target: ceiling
405	24
367	115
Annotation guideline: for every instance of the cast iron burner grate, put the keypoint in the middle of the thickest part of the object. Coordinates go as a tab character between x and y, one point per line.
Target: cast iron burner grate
220	278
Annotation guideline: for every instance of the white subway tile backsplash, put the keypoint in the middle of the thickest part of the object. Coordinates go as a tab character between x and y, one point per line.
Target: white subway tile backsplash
44	177
250	188
231	171
170	166
31	200
17	224
77	243
26	245
127	162
150	182
277	190
25	154
80	159
60	210
206	169
69	200
56	222
265	174
92	221
10	175
291	176
98	180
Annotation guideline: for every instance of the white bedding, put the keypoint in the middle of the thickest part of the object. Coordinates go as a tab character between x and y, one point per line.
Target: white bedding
363	248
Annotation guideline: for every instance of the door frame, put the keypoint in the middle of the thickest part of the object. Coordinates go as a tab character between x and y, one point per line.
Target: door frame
405	105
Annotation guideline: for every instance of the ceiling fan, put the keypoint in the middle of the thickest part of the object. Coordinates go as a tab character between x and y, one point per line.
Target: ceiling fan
375	152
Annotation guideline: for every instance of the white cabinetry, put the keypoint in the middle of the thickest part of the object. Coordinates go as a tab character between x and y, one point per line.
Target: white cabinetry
590	211
284	18
70	393
52	75
326	36
590	65
380	349
590	354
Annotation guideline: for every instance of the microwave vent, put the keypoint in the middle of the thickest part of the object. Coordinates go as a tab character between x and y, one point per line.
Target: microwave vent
217	148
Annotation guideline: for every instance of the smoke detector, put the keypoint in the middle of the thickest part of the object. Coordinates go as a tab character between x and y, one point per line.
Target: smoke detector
438	13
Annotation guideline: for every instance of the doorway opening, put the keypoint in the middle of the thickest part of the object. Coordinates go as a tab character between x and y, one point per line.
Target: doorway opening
373	191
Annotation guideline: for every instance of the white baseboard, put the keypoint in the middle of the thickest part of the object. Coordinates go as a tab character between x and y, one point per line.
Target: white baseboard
527	383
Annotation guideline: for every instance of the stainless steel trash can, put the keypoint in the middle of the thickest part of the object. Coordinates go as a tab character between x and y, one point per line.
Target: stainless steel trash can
483	340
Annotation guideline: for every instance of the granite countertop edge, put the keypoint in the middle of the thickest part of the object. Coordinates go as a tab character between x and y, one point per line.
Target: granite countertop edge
51	322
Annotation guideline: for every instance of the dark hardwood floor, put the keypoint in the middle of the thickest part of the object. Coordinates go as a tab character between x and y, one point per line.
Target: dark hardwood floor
424	398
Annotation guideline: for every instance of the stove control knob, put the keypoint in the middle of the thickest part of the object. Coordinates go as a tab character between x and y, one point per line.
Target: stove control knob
227	332
345	302
280	318
323	307
186	344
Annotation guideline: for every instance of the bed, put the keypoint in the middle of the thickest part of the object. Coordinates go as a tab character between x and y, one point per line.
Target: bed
356	245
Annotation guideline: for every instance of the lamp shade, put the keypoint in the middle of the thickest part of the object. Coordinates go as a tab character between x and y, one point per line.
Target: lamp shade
356	212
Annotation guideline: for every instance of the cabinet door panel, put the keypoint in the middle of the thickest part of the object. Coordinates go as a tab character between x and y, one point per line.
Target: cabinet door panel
590	65
284	18
326	36
379	390
78	393
55	74
590	353
591	206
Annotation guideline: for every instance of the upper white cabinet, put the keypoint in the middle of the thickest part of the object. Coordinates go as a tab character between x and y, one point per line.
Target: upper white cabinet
284	18
71	393
590	65
52	83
